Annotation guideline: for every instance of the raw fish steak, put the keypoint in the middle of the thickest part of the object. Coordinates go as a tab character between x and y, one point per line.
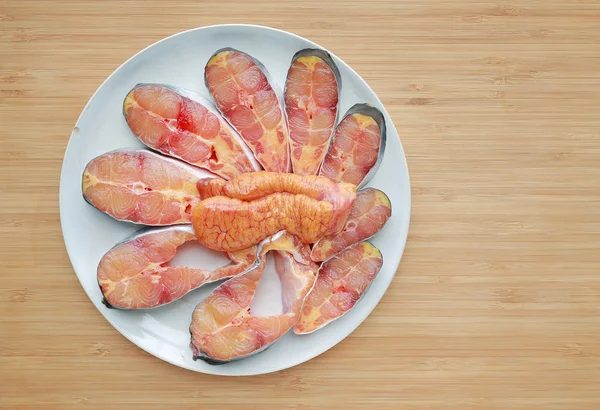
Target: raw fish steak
241	89
356	147
311	105
341	282
142	187
223	326
178	126
368	214
135	274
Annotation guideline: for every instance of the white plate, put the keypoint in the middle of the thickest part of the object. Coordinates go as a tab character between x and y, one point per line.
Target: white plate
179	60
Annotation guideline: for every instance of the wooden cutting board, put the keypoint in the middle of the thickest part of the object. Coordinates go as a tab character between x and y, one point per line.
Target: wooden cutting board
496	304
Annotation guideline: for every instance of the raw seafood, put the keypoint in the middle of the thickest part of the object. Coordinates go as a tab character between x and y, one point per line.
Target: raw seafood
256	185
311	106
341	282
357	146
223	327
236	213
369	213
176	125
142	187
244	95
230	224
135	275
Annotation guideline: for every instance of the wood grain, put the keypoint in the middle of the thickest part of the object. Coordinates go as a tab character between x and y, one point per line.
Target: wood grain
496	304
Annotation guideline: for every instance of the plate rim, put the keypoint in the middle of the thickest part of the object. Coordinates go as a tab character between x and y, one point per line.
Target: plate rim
360	319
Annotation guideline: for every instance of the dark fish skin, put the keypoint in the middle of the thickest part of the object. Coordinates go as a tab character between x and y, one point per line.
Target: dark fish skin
205	358
108	305
217	362
208	360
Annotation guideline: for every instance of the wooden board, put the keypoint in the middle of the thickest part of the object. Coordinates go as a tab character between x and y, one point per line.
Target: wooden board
496	304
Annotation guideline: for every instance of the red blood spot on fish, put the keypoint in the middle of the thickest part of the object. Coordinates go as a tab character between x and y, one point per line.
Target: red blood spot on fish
213	155
185	129
245	97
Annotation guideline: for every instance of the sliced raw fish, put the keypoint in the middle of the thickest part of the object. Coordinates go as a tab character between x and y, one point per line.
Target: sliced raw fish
175	122
311	106
229	224
357	146
224	328
341	282
135	275
142	187
244	94
370	211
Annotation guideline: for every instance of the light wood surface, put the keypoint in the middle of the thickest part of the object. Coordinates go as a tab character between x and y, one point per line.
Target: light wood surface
496	304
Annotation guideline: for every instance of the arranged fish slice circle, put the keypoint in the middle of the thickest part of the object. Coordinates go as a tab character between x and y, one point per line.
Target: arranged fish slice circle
357	146
248	212
244	94
370	211
175	122
311	105
341	282
142	187
223	326
229	224
135	275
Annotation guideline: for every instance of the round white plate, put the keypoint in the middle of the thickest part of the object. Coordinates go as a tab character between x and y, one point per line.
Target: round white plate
179	60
